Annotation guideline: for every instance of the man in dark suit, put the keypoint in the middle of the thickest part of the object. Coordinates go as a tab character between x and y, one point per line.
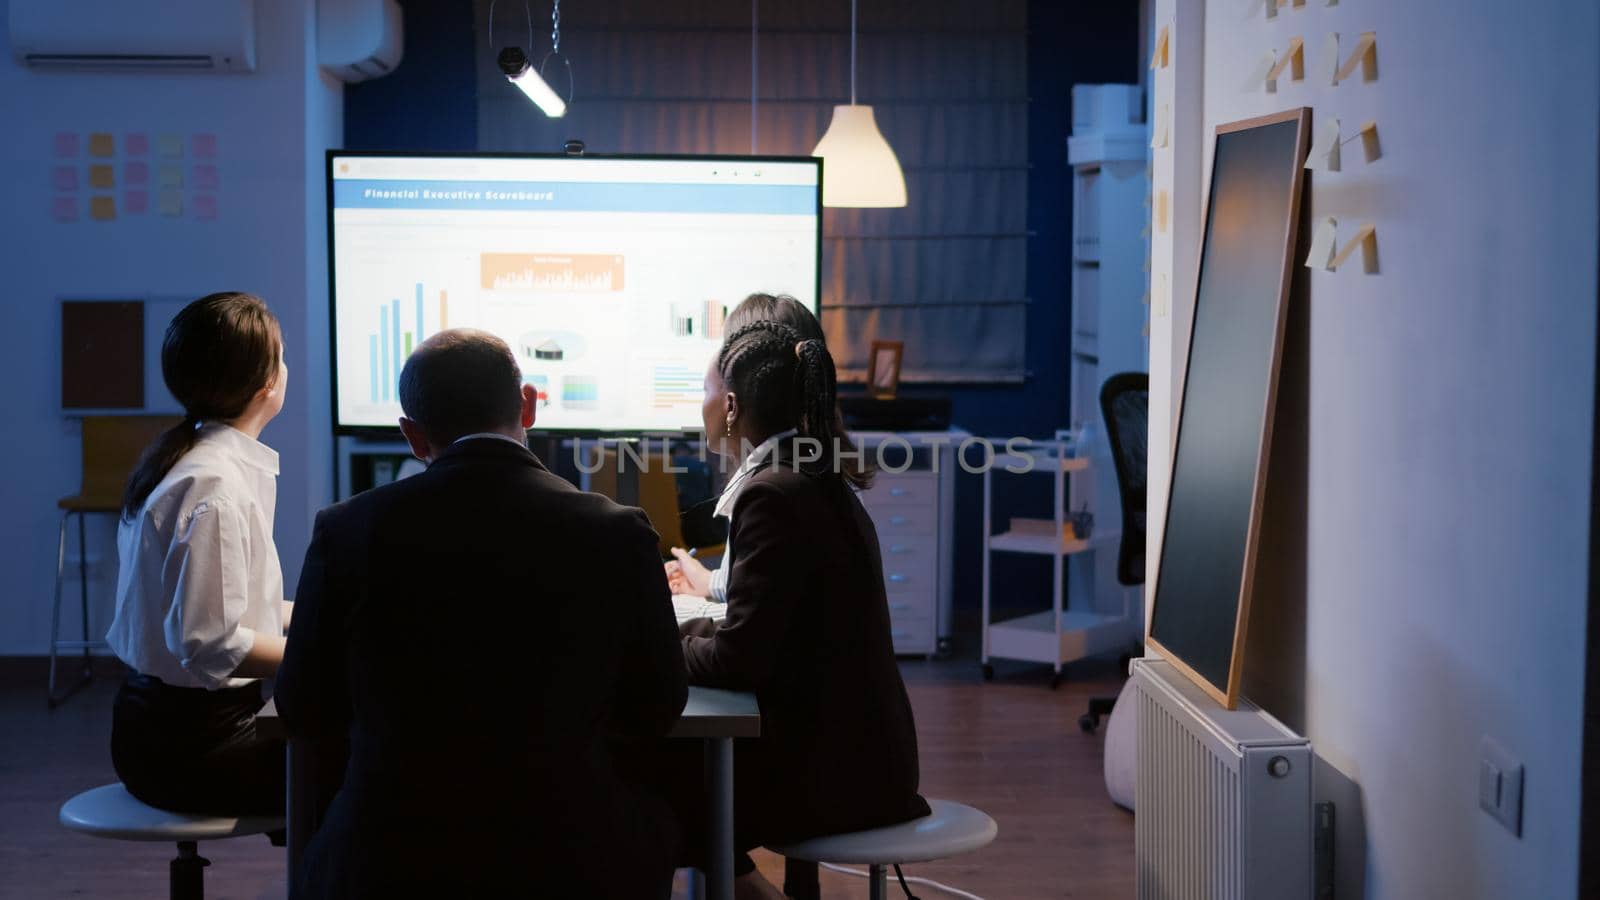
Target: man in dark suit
488	636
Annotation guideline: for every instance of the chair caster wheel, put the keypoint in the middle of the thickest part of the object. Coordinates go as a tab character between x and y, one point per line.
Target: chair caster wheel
1087	723
988	672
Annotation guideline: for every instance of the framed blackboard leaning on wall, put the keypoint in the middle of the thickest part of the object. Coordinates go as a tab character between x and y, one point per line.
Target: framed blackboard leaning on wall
1201	596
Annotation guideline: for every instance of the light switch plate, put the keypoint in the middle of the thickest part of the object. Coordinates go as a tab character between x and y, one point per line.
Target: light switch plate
1500	785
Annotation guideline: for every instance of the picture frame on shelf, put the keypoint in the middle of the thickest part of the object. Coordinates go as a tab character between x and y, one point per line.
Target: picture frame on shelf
883	369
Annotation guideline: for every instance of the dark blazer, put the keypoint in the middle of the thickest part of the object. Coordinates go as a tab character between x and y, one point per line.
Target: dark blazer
807	629
486	634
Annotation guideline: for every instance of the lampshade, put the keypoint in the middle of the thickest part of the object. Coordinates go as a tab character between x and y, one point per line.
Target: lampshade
859	167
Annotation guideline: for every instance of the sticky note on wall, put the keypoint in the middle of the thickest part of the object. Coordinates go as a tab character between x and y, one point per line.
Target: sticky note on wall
136	203
102	209
169	203
171	177
136	144
205	178
1369	141
65	145
65	178
1158	59
136	172
1366	240
170	146
1328	62
1322	244
1258	74
102	176
1162	127
1365	55
64	208
102	144
1292	60
1325	149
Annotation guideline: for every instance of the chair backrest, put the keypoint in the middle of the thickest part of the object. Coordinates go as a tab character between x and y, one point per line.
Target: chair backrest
111	448
1125	404
657	493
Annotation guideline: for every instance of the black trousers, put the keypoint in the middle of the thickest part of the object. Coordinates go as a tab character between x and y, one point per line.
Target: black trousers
196	751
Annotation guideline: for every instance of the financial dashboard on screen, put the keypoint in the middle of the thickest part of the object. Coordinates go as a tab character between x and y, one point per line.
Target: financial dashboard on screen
610	278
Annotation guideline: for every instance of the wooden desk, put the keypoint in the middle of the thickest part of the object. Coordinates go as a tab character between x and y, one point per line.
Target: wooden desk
712	715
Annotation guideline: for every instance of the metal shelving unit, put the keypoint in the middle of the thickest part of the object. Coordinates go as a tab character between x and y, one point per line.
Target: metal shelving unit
1058	635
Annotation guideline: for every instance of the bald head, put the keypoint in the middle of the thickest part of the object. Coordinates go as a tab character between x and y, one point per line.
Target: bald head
459	382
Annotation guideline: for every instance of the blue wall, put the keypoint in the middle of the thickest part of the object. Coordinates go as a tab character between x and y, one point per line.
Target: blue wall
430	103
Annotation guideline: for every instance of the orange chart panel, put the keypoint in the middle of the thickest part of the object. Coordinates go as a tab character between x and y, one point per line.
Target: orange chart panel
589	272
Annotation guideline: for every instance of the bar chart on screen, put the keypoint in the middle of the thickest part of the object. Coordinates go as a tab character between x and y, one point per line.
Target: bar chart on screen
700	318
675	385
553	272
399	326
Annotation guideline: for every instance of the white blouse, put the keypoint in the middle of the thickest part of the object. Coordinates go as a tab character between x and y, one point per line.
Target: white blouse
730	496
199	573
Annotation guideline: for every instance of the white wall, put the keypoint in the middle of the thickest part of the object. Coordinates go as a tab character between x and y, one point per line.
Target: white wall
272	126
1428	542
1175	170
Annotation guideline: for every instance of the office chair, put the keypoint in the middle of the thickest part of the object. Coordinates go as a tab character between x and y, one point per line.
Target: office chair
655	490
111	448
1125	405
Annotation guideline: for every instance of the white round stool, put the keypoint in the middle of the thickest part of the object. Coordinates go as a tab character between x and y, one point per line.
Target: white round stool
949	830
111	812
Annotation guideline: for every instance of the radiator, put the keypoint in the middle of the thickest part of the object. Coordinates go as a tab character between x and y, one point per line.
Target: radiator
1223	800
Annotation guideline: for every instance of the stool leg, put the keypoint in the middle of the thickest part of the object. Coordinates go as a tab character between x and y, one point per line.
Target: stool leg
800	880
188	873
55	608
694	885
877	883
83	589
52	697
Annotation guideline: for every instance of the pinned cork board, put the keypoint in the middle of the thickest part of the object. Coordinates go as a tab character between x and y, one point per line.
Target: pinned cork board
102	354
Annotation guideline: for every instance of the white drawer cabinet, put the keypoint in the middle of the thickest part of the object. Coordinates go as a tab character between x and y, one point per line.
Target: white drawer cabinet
912	511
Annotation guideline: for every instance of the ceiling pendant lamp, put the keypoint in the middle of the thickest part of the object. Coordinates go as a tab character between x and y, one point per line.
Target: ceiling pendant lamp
859	167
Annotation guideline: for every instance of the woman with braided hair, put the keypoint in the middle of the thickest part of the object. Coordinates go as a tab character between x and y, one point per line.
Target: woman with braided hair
685	573
807	624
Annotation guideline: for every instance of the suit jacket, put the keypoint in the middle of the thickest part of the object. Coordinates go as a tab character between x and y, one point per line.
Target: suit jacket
807	629
485	633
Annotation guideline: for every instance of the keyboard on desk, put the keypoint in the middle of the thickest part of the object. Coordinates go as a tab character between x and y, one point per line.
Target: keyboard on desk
689	607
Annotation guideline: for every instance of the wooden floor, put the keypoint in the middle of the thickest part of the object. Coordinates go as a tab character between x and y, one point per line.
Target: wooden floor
1010	747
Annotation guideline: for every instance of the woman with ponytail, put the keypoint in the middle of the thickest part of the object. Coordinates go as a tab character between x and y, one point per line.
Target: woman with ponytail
200	611
807	623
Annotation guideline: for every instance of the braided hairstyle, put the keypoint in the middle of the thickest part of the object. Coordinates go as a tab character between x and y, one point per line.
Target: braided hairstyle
785	381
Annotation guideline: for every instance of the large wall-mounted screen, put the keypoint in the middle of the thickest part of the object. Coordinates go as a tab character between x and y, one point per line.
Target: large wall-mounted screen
610	278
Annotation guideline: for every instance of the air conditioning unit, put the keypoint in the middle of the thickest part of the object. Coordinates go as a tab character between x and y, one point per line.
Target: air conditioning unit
359	39
198	35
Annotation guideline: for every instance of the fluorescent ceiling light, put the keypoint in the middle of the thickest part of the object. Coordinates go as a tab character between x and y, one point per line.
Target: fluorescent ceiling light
520	72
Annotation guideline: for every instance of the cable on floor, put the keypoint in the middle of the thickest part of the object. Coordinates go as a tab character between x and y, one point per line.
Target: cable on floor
925	882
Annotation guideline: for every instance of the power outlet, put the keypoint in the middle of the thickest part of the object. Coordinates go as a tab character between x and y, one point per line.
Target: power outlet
1500	785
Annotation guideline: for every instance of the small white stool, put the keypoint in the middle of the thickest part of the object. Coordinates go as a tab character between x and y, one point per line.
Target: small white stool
950	830
111	812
